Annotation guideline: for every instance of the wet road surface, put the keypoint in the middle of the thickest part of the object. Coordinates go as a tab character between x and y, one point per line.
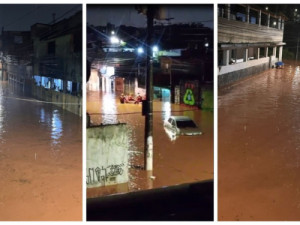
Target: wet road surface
186	159
259	147
40	160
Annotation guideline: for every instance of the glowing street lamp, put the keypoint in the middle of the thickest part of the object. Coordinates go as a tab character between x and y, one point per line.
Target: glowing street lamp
155	48
140	50
114	40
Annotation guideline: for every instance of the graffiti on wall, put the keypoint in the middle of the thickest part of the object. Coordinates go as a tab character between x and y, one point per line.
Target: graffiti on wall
103	175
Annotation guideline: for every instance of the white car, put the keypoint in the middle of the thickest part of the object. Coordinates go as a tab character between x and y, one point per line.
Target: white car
181	125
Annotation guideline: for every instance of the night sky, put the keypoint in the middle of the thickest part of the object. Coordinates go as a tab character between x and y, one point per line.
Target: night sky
127	15
20	17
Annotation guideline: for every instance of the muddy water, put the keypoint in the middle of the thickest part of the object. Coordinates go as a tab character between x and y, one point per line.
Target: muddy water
259	147
40	160
185	159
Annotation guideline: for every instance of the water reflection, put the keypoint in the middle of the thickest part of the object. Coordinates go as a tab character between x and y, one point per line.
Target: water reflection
166	110
56	128
42	116
109	108
166	103
40	162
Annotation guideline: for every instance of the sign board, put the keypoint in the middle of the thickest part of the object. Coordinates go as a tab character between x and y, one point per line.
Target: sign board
190	92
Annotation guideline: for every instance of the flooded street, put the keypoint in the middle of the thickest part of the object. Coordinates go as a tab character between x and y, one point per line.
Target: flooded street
176	161
40	160
259	147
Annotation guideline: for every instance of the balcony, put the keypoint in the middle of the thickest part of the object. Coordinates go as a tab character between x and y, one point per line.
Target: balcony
244	24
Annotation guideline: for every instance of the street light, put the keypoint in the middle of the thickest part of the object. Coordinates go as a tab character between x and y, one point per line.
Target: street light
155	51
114	40
140	50
155	48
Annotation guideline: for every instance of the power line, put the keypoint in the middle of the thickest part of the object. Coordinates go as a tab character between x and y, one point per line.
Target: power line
67	12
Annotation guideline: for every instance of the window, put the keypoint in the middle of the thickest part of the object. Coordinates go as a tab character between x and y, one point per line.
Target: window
173	123
185	123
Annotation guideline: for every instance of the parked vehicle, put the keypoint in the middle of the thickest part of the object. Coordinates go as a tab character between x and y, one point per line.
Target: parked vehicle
181	125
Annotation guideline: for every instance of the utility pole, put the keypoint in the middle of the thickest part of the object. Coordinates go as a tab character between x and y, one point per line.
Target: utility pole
297	48
148	145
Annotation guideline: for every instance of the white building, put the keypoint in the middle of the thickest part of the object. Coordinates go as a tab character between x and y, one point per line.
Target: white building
249	41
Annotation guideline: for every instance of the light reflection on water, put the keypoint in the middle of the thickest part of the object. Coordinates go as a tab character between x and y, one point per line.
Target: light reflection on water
166	109
109	108
56	128
42	115
44	180
31	117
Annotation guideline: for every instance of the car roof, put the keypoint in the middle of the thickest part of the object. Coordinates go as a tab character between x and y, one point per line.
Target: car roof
183	118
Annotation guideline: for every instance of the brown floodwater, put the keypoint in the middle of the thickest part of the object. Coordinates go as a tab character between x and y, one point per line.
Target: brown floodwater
259	147
176	161
40	160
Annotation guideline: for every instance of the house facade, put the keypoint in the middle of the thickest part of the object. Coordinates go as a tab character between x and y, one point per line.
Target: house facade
250	40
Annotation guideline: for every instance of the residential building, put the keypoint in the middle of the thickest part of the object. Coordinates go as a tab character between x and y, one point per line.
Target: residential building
250	40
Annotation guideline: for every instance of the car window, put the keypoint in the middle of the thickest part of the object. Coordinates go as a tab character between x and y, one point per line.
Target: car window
173	123
186	123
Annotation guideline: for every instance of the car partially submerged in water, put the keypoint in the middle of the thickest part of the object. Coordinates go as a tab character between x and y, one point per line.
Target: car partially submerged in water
181	125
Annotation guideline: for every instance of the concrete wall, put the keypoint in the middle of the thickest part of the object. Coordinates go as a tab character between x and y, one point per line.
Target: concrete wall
231	75
66	101
243	65
107	155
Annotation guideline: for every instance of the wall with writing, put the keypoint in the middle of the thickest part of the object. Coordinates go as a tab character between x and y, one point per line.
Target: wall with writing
107	155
